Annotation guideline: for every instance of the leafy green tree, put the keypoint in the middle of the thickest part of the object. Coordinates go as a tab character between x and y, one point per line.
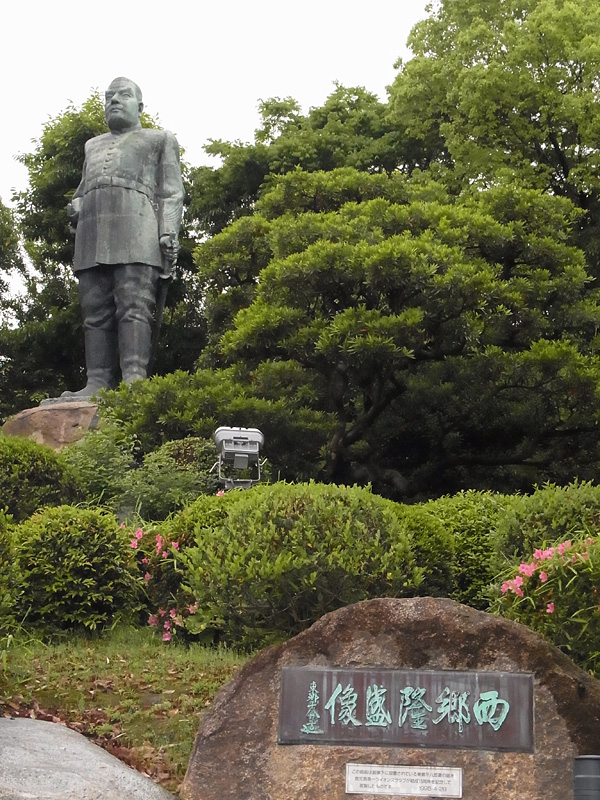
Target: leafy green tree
510	85
444	368
352	128
446	337
41	351
11	272
10	255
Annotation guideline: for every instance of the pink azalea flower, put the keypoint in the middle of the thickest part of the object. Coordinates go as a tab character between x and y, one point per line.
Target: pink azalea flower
548	553
144	560
192	609
538	554
161	612
175	545
543	577
528	569
167	625
513	585
133	544
165	554
147	576
504	588
122	525
139	533
166	636
550	608
153	620
172	613
220	493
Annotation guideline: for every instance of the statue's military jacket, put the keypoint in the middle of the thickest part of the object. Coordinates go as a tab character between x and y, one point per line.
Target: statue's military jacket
131	193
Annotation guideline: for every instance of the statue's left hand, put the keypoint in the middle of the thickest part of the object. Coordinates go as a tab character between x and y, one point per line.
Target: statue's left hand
169	246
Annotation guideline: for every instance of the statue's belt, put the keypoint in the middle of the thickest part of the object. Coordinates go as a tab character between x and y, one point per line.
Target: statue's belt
122	183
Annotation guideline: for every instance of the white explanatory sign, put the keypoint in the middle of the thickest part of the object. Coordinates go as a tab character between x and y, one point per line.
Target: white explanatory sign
407	781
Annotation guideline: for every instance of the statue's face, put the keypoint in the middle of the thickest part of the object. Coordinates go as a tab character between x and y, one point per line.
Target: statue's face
121	106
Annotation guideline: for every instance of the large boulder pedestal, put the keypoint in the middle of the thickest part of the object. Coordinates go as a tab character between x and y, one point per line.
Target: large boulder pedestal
54	424
237	754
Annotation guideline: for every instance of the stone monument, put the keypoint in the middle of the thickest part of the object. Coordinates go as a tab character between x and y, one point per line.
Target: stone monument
126	214
404	698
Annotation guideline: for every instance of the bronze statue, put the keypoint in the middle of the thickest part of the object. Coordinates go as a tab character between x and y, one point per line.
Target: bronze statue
126	214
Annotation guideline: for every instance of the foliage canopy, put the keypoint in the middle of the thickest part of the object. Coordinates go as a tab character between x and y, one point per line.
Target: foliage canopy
400	293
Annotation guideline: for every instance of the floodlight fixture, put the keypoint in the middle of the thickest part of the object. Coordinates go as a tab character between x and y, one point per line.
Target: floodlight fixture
239	450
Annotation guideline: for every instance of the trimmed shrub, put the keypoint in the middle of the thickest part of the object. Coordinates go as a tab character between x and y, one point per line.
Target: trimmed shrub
432	546
207	512
556	593
552	513
471	518
32	476
169	478
101	459
8	576
76	569
181	404
287	554
158	551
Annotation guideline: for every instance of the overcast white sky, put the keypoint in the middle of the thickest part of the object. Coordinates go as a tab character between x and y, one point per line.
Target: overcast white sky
202	66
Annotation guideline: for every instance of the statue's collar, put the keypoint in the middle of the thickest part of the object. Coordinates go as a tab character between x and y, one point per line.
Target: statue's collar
129	130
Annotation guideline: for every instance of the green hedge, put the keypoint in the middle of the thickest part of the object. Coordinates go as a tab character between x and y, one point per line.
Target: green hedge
9	592
158	549
278	557
171	477
101	459
550	514
432	546
32	476
471	518
107	462
76	569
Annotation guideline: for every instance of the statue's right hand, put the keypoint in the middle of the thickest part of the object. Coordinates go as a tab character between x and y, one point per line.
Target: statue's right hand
73	217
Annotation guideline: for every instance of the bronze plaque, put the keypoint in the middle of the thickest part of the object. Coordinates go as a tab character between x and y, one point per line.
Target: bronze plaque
414	708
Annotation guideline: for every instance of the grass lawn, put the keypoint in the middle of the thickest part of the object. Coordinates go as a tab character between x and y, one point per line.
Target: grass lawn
128	691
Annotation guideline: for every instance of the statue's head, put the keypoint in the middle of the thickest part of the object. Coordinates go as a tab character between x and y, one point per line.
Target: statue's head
123	105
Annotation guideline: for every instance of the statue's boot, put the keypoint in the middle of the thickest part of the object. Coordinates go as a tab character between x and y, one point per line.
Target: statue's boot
101	363
135	342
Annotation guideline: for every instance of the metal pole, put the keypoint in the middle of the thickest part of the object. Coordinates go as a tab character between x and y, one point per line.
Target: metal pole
586	778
